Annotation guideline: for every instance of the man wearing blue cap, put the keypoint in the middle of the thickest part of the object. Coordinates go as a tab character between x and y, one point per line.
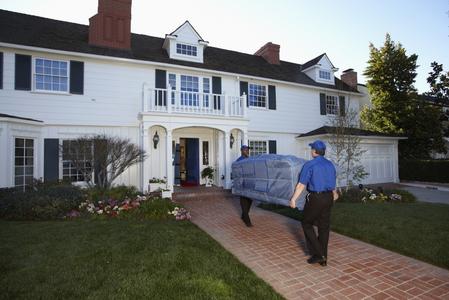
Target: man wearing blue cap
318	176
245	202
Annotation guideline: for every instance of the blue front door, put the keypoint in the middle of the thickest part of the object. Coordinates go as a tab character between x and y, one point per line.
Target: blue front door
192	162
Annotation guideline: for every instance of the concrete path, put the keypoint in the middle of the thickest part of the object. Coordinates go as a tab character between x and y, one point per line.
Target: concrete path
275	250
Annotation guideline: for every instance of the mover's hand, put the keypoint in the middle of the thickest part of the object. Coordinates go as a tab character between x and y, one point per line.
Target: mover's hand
335	195
292	203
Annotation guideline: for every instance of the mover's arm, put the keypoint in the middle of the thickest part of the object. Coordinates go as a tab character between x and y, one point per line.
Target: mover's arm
298	190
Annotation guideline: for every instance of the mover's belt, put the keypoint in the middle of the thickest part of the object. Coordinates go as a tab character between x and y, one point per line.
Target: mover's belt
324	192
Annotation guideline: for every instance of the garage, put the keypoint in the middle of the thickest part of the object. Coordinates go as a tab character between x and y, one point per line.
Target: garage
380	158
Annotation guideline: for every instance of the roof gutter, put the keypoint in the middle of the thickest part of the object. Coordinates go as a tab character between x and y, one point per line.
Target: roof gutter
136	61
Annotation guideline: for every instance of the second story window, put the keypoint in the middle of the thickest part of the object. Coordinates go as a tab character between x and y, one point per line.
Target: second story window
186	49
189	90
326	75
50	75
331	105
257	95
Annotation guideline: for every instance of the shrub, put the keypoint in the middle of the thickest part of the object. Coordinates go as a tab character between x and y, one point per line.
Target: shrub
120	192
406	196
424	170
40	201
154	209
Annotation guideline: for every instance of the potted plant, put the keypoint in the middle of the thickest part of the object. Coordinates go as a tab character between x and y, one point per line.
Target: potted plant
166	193
208	174
156	184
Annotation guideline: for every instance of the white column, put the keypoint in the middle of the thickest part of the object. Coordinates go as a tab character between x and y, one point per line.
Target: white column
169	160
245	137
146	163
228	163
244	108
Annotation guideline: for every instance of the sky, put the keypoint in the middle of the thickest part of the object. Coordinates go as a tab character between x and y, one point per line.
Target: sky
304	29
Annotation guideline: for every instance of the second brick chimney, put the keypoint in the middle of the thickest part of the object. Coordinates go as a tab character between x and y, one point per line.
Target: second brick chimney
349	77
111	26
270	52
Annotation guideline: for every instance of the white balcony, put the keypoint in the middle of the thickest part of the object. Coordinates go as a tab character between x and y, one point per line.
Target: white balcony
193	103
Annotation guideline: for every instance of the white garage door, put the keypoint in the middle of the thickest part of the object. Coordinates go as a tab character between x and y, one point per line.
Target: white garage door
379	162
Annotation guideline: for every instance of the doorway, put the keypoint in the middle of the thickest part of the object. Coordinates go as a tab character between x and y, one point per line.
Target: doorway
189	162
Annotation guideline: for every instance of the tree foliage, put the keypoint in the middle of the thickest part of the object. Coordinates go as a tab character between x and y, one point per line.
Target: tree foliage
396	107
439	83
345	148
101	158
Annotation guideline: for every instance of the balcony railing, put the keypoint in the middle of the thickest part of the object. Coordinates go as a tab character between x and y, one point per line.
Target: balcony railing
172	101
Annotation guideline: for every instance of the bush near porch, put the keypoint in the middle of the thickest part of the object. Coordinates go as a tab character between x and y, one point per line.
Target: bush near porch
424	170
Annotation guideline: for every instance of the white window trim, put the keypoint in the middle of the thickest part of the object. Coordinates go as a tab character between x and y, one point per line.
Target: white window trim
337	104
200	81
323	80
13	152
266	97
33	79
61	166
259	140
326	71
186	55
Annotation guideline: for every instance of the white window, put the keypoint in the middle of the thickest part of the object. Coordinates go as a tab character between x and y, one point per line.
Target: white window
50	75
189	90
23	162
257	95
258	147
331	105
206	90
69	171
186	49
326	75
172	83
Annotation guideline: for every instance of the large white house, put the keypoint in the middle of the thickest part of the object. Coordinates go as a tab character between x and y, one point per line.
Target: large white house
188	104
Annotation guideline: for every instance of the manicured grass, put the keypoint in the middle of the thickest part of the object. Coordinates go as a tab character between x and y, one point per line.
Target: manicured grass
419	230
125	259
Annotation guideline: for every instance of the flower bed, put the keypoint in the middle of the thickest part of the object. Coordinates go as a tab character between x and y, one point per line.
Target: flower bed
371	195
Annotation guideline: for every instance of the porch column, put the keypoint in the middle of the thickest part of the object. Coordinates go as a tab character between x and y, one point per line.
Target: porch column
228	162
169	166
146	163
245	137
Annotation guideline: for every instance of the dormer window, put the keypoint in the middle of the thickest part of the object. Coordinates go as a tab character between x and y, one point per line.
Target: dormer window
186	49
185	44
325	75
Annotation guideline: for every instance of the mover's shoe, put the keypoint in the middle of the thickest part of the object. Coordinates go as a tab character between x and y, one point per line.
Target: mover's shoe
318	259
247	221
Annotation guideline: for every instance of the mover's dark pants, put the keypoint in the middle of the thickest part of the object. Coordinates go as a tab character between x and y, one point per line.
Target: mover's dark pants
317	210
245	203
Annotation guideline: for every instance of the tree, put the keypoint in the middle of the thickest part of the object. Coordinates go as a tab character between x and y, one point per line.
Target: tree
345	148
101	158
439	83
396	108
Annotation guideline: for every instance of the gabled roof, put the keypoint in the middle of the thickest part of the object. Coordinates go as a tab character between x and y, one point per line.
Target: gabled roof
200	39
22	29
312	62
352	131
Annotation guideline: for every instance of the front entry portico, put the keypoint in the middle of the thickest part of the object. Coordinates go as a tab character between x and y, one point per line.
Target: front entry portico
185	148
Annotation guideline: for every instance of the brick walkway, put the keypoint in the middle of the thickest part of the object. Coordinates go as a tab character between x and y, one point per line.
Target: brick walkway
274	250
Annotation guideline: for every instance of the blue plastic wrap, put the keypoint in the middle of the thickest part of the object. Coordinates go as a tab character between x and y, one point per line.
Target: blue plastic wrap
268	178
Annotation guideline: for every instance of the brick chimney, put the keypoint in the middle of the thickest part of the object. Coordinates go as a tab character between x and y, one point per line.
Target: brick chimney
349	77
111	26
270	52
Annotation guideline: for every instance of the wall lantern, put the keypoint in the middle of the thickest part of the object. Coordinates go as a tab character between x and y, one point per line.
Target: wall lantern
232	140
155	140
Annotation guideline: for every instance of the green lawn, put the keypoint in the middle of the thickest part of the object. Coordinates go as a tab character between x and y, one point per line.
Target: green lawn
419	230
120	259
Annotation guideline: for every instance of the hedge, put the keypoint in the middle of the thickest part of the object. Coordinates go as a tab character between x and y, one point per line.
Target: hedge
424	170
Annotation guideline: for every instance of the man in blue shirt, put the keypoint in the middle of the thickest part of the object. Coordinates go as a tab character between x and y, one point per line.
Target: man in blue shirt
245	202
318	176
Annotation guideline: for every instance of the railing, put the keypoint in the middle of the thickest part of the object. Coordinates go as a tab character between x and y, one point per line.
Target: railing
172	101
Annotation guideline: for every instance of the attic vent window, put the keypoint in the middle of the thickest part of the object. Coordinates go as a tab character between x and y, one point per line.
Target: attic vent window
186	49
326	75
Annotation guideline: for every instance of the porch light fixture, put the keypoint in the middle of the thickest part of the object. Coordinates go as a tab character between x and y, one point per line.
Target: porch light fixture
155	140
231	140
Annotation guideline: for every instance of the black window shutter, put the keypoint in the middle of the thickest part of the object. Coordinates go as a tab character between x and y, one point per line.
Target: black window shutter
272	147
271	97
1	70
76	77
244	89
51	159
216	89
342	105
22	80
161	83
322	104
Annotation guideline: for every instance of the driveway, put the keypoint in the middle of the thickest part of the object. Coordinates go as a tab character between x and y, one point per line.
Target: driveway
428	195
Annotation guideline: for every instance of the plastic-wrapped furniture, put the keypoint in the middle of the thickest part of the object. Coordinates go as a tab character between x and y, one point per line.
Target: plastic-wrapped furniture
268	178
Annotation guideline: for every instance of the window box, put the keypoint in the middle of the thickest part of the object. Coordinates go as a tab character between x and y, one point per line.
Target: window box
166	194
